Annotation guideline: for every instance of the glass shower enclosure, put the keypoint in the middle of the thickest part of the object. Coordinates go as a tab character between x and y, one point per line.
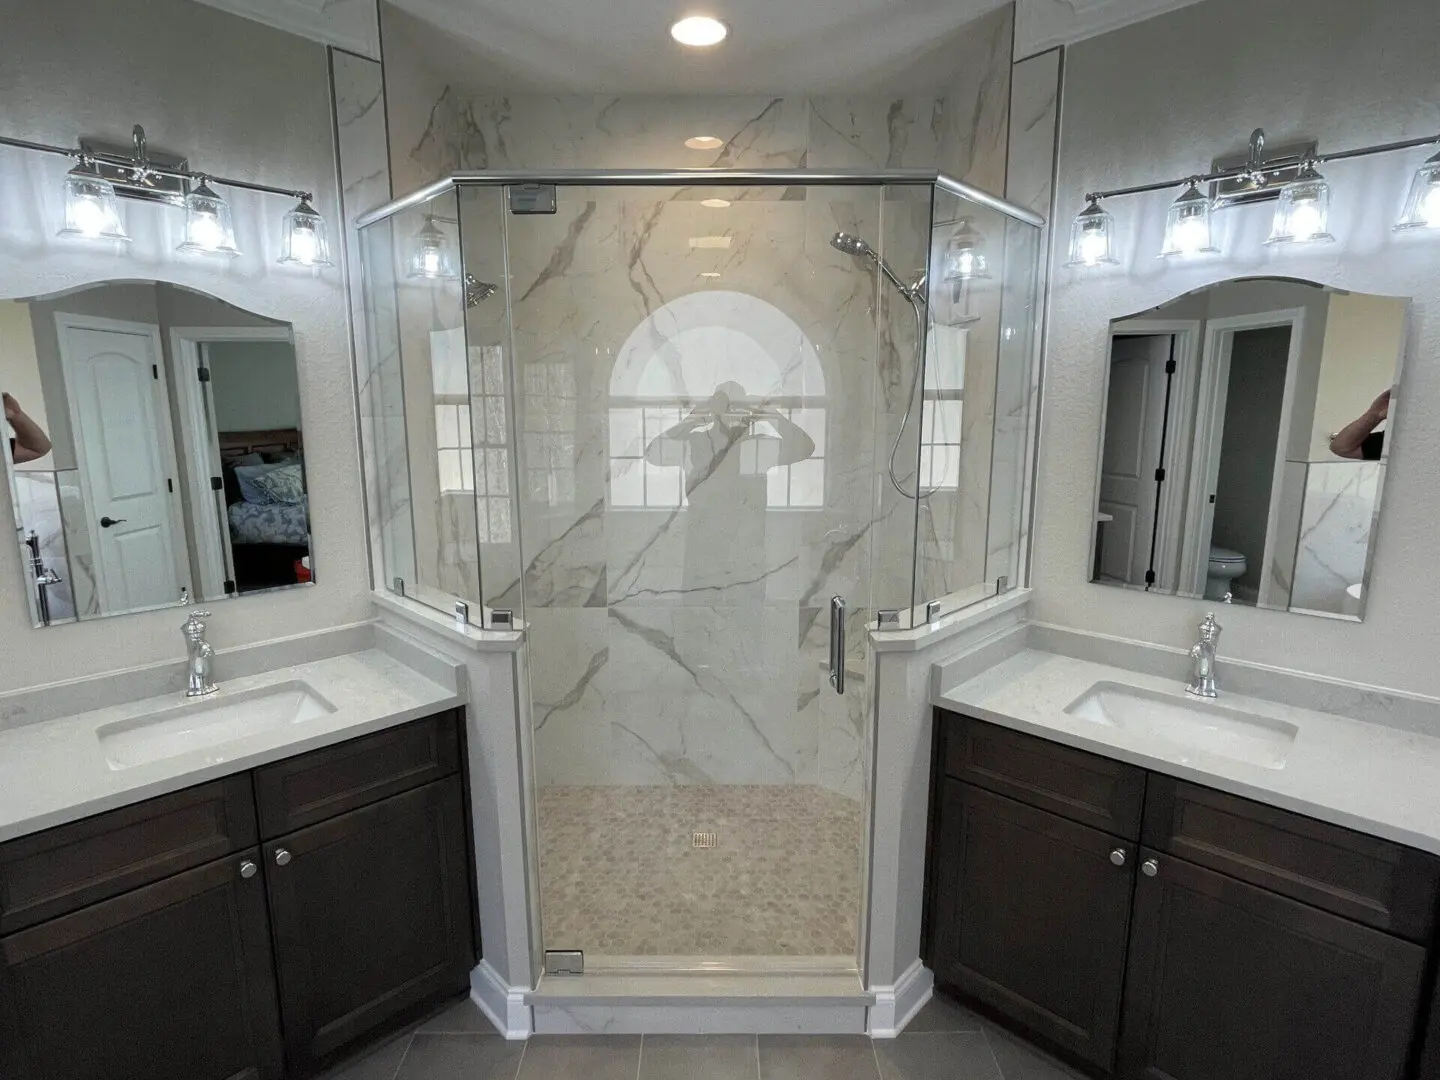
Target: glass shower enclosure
702	432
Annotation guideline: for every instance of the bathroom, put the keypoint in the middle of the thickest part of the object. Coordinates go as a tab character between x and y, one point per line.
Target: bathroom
708	773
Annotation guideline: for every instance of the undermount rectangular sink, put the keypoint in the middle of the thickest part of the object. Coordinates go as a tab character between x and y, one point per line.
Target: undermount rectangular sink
204	723
1194	724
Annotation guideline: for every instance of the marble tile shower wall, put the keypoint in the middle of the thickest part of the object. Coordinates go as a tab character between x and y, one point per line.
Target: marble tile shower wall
670	645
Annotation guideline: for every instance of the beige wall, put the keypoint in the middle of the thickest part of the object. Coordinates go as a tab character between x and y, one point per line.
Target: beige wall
1364	336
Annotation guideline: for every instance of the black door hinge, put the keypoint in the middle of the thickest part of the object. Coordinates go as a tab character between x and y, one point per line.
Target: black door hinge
229	587
170	485
202	373
217	483
155	371
1169	367
1149	577
1159	476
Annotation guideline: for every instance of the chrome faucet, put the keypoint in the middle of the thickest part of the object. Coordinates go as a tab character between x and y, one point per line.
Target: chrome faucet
1202	679
198	654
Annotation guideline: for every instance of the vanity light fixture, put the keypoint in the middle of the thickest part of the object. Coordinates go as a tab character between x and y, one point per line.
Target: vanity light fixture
103	175
1092	236
303	239
1422	204
965	254
208	227
431	257
91	210
1303	214
704	142
699	31
1187	225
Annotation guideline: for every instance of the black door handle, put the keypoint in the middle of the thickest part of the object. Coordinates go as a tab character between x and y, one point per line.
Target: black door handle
107	521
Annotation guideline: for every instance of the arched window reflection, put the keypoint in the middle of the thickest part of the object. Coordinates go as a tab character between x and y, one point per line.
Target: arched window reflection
714	380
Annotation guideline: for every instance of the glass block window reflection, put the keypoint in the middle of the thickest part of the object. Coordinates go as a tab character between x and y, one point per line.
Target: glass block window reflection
550	412
943	406
471	446
636	482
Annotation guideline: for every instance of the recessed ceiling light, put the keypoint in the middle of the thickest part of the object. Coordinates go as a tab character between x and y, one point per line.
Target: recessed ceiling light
715	204
699	31
704	142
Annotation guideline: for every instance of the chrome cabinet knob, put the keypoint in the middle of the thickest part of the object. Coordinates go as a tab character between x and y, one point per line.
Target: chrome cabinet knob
282	857
247	869
1118	856
1150	867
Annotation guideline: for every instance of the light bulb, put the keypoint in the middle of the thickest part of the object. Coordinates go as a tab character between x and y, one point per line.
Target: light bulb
1190	236
1305	221
208	229
1093	245
302	245
1422	204
89	218
204	231
1187	224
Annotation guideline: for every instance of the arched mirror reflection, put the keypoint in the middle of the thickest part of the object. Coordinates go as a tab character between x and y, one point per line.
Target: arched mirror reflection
1247	429
154	454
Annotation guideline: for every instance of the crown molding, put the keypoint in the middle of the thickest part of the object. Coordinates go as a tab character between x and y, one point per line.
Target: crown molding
1044	24
353	25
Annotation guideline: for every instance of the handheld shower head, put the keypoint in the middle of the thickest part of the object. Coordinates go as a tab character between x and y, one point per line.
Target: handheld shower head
851	244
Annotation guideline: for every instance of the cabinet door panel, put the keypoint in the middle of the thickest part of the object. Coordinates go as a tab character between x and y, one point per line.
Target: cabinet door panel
1227	981
371	915
170	982
1031	916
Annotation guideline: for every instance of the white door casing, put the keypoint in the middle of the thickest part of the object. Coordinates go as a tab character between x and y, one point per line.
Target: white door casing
120	418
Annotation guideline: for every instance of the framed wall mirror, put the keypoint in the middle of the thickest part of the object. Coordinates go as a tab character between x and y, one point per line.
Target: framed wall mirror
1247	427
154	452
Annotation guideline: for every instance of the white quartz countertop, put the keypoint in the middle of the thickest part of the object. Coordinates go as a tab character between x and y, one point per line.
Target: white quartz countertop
55	771
1380	780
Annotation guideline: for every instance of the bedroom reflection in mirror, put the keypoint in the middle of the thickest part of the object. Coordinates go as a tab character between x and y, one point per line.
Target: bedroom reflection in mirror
155	455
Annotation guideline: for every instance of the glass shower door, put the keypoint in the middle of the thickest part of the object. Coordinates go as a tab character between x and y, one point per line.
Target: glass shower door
699	379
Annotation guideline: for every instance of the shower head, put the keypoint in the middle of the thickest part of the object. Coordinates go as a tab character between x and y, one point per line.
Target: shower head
477	291
851	244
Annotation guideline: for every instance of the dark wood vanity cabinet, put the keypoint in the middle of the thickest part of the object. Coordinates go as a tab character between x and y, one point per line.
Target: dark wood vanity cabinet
1199	937
1031	912
371	915
125	954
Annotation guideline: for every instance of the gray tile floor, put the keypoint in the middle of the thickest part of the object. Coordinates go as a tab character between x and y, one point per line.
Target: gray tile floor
945	1042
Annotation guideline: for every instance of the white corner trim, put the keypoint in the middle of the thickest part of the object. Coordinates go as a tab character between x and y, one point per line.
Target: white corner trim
503	1004
895	1006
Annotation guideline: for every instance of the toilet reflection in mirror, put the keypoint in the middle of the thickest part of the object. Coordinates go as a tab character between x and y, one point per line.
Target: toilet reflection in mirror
1247	426
155	455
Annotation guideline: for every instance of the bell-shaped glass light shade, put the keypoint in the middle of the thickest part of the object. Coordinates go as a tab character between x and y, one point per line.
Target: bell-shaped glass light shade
1303	214
208	228
431	257
1422	205
304	240
91	211
965	254
1092	237
1187	225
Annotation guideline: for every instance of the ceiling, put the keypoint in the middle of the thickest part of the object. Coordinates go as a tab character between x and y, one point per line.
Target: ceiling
775	46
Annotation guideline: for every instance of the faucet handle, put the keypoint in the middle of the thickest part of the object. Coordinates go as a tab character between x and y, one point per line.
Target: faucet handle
194	627
1209	628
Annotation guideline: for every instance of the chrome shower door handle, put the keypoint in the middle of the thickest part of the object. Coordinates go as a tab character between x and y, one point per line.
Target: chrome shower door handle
837	643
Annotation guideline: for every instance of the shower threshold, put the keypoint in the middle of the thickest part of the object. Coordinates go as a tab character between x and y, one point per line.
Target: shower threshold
727	1000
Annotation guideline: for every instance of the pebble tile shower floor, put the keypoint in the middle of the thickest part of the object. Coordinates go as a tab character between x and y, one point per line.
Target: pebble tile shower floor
621	875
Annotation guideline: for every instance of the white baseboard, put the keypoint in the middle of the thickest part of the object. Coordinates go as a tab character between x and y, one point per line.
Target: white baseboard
503	1004
895	1006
